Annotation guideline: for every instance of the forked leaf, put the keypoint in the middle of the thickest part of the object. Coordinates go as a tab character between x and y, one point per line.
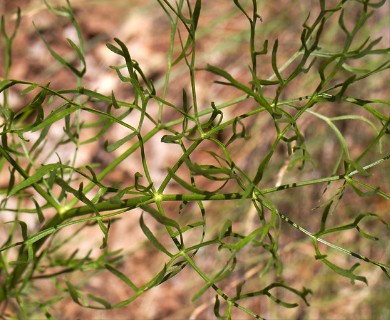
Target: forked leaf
63	13
360	193
59	58
236	132
114	49
233	82
341	271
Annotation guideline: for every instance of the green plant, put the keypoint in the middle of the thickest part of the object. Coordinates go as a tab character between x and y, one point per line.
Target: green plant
61	196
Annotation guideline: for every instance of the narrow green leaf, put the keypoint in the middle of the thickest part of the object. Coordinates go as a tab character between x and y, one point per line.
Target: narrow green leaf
80	55
11	182
339	135
9	39
186	185
36	177
30	88
226	229
171	138
5	84
114	49
58	57
358	167
114	101
23	227
35	107
274	63
122	276
325	217
186	106
63	13
117	144
73	292
217	306
101	301
196	14
41	217
157	279
360	193
54	117
152	238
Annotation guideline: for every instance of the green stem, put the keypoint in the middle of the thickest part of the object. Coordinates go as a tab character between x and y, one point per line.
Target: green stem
136	201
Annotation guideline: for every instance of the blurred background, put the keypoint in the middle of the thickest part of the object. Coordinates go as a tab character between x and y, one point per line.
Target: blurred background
223	40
